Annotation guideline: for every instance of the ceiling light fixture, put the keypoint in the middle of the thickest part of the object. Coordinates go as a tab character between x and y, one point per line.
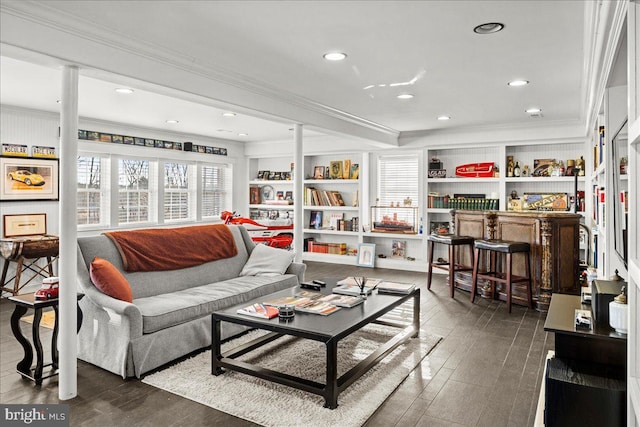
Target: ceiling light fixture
172	122
444	117
124	90
488	28
229	114
405	96
334	56
243	134
533	110
516	83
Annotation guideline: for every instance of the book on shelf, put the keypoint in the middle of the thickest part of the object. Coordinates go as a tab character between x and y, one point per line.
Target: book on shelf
259	310
318	307
387	287
354	281
327	248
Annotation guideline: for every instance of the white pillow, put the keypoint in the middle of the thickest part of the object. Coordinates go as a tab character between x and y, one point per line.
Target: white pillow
267	261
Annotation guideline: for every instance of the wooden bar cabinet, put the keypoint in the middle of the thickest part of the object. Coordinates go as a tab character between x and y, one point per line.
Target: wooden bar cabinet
554	240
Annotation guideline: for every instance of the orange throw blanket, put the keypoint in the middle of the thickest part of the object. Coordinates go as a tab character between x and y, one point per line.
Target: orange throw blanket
162	249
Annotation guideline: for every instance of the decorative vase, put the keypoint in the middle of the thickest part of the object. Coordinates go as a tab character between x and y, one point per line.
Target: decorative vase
618	314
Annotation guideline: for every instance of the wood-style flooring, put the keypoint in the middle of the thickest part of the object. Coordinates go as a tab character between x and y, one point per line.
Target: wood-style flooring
486	372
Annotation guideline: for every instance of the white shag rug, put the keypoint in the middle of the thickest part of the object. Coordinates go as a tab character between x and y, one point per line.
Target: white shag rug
272	404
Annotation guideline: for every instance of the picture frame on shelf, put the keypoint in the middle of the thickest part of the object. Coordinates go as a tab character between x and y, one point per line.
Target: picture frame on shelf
267	192
25	225
288	195
105	137
128	140
116	139
335	169
318	172
93	136
366	254
439	227
355	171
254	195
262	175
28	179
346	170
315	220
398	249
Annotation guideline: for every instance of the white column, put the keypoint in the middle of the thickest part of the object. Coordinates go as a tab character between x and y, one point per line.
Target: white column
67	344
298	177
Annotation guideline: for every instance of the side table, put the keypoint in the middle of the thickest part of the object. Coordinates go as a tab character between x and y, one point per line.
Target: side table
22	304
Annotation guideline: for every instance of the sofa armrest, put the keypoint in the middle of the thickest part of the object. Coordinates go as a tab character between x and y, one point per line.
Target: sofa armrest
298	269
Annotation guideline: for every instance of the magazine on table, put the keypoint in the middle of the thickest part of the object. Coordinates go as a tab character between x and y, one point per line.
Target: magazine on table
351	290
342	300
318	307
259	310
386	287
279	302
371	282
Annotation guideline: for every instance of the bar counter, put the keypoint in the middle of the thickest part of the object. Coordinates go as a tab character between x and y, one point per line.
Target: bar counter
554	239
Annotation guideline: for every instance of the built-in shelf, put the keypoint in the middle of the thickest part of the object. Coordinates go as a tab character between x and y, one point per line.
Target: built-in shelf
331	208
330	181
273	207
394	235
321	231
544	179
458	180
271	182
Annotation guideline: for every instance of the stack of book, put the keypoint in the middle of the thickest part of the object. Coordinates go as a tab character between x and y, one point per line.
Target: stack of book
259	310
327	248
395	288
314	197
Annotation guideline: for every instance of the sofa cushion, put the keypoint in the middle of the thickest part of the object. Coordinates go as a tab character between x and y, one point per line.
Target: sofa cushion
166	310
109	280
267	261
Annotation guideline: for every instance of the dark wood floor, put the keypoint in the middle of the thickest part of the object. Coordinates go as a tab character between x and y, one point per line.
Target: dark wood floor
486	372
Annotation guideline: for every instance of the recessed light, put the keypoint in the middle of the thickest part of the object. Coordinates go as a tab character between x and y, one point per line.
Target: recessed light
533	110
229	114
172	122
488	28
223	130
518	83
243	134
444	117
405	96
124	90
58	101
334	56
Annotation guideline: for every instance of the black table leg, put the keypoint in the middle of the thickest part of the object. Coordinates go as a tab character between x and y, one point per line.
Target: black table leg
37	374
416	313
331	390
24	366
216	354
54	340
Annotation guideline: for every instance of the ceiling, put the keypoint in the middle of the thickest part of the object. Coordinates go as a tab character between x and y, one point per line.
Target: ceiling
277	46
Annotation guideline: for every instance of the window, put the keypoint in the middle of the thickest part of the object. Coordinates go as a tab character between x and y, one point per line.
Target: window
216	187
93	198
179	192
134	191
397	179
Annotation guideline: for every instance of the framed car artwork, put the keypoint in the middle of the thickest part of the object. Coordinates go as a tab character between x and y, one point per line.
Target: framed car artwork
28	178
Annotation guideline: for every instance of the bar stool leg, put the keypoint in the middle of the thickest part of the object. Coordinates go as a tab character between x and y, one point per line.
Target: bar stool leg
452	269
474	276
509	282
430	268
529	283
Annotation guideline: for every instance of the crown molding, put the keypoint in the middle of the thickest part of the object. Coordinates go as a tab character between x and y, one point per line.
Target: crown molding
45	15
604	22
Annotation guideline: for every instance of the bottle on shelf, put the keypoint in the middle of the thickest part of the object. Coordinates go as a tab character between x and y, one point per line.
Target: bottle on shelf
516	169
420	230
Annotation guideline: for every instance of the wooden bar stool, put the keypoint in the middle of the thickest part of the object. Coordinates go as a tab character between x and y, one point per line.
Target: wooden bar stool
508	248
451	240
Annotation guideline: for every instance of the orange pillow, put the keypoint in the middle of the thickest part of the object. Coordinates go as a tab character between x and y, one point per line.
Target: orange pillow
109	280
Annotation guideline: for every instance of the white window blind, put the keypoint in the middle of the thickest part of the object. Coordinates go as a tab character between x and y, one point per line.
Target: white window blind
397	179
93	191
178	191
216	190
135	191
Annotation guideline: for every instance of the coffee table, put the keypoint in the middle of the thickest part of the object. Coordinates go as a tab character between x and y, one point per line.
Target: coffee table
327	329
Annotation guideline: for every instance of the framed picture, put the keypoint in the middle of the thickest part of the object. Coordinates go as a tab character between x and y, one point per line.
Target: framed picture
318	172
315	220
366	254
254	195
267	192
82	134
129	140
27	178
288	195
105	137
398	248
223	151
149	142
25	225
335	169
93	136
116	139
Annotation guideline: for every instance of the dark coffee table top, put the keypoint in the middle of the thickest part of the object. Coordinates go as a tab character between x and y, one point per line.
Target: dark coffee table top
315	326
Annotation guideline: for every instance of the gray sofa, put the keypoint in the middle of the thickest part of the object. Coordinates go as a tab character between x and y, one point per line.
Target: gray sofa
170	313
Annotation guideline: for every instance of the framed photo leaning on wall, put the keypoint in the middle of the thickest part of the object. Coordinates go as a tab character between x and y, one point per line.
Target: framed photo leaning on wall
28	179
366	254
